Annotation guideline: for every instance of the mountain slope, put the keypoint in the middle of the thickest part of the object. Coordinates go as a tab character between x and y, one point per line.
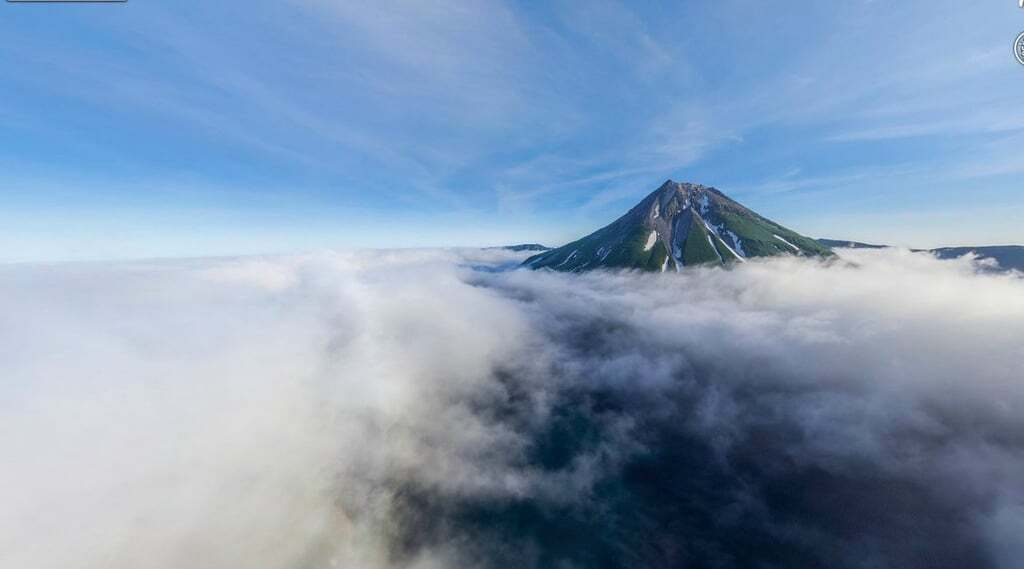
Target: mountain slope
679	225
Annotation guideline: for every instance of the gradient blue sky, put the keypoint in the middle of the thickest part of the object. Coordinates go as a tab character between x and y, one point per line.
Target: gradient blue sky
206	128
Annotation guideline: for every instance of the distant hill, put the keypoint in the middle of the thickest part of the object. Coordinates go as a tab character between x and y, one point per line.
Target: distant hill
679	225
837	244
1009	257
523	247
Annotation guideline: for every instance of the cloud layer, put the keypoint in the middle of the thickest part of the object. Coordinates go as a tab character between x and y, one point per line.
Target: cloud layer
401	409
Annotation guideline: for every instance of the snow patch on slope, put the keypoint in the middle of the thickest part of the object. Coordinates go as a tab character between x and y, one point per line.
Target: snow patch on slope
731	250
716	231
795	248
704	203
713	248
651	239
737	243
567	259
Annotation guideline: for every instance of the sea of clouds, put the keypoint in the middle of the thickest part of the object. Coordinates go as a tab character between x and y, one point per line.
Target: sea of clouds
419	409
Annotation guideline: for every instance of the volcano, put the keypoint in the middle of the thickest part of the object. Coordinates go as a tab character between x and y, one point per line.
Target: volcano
679	225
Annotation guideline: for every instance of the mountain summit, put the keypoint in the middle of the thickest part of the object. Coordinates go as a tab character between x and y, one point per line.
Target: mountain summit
679	225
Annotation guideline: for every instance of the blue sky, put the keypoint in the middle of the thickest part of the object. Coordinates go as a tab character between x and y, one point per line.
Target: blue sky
209	128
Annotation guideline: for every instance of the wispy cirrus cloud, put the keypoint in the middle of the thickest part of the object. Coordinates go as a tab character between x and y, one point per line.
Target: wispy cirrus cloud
504	110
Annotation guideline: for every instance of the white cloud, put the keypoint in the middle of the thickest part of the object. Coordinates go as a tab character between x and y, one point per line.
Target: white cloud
281	411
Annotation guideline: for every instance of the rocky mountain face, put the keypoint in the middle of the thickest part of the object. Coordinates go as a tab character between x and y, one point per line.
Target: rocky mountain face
679	225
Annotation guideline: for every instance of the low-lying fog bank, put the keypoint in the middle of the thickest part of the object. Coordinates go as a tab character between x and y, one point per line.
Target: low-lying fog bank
403	409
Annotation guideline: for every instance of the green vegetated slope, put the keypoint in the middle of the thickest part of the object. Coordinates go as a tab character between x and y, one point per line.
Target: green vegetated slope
689	225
